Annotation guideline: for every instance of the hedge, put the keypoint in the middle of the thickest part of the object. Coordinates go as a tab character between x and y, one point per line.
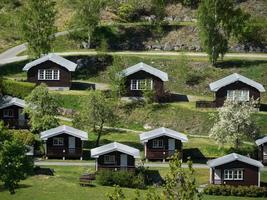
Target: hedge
17	89
241	191
121	178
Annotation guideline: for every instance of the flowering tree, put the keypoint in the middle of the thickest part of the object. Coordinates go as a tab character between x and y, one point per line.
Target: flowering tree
234	123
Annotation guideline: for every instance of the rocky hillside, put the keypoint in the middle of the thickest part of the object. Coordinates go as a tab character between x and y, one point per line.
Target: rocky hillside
181	33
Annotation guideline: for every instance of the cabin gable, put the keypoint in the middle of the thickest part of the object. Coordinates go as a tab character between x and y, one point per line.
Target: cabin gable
64	75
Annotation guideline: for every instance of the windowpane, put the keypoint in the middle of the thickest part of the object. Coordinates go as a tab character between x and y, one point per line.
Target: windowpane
58	141
56	75
157	144
109	159
48	74
8	113
133	84
41	74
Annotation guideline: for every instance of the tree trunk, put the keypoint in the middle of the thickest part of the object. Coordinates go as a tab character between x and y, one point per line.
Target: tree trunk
99	134
89	40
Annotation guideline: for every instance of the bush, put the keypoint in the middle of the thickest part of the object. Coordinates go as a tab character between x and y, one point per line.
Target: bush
121	178
194	78
241	191
17	89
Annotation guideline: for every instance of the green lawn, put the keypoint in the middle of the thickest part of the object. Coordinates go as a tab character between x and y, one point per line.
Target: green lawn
64	185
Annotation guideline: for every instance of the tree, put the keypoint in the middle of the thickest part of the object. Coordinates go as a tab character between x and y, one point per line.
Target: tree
37	25
42	109
180	182
116	77
217	21
96	111
158	8
14	164
234	123
87	17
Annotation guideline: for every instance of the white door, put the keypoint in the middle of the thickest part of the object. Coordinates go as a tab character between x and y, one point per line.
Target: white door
171	144
21	117
71	142
217	176
124	160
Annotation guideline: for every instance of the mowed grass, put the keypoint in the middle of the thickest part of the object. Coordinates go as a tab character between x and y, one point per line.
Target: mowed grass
64	185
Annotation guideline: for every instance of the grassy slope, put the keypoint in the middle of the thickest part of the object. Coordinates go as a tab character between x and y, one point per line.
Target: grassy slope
65	185
181	116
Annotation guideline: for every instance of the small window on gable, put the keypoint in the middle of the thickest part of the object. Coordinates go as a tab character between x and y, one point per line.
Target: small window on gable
109	159
141	84
157	144
8	113
58	141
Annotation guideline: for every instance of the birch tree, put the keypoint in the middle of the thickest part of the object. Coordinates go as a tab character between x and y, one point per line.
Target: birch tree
38	25
234	123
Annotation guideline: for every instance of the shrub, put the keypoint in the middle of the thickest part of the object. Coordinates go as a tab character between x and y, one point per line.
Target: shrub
241	191
121	178
194	78
17	89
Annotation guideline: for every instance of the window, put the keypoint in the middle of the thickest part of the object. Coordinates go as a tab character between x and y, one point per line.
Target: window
141	84
157	144
233	174
8	113
58	141
239	95
48	74
109	159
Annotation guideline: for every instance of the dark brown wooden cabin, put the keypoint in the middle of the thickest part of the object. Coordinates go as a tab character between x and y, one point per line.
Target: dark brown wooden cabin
115	156
141	77
11	112
64	142
52	70
161	143
235	87
234	169
262	150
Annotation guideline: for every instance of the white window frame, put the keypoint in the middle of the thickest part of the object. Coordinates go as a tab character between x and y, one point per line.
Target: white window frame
8	113
109	159
229	174
43	73
136	84
157	144
58	141
239	95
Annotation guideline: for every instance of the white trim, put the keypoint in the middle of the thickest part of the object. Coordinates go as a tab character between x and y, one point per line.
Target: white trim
45	74
211	175
240	172
138	84
238	95
259	177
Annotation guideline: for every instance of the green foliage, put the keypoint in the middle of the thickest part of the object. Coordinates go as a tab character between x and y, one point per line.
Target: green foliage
217	21
149	95
86	17
97	110
180	182
234	123
42	109
158	8
121	178
116	77
117	194
241	191
16	88
4	134
37	25
126	11
14	164
25	137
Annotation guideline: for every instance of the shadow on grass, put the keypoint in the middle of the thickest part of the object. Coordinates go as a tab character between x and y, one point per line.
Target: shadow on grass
240	63
195	154
82	86
153	177
20	186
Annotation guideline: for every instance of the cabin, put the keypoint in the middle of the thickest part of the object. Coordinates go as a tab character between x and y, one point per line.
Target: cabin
11	112
115	156
161	143
234	169
64	142
142	77
236	87
262	150
53	70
